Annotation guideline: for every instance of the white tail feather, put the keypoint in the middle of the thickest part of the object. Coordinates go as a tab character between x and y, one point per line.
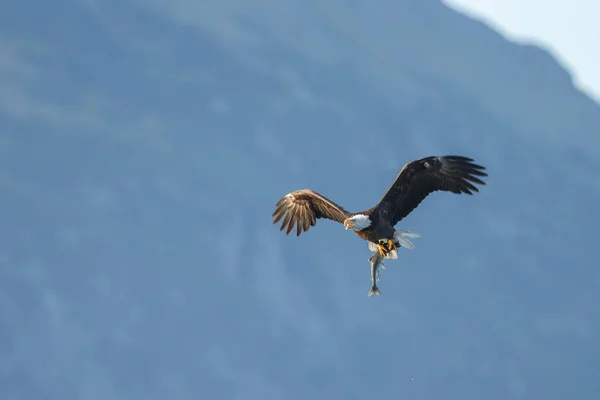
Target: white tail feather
408	234
402	238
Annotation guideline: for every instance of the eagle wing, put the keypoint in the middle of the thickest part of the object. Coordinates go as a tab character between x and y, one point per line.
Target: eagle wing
419	178
303	208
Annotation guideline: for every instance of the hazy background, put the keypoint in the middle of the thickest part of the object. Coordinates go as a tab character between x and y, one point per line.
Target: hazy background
144	145
569	30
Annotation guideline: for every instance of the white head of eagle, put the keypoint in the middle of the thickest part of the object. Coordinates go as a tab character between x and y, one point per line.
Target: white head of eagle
358	222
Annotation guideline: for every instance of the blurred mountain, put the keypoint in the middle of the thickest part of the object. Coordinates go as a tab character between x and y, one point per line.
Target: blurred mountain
144	145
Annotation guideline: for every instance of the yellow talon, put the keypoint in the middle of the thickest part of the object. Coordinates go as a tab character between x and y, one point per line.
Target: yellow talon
392	245
383	251
386	246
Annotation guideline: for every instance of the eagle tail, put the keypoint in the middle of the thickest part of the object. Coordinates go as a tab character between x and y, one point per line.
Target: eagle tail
402	237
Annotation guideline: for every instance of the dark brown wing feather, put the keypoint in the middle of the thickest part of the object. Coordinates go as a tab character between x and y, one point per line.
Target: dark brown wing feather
303	207
419	178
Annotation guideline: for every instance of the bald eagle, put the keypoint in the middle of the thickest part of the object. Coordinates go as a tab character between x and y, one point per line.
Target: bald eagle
416	180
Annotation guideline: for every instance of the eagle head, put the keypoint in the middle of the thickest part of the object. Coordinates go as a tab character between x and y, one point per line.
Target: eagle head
357	222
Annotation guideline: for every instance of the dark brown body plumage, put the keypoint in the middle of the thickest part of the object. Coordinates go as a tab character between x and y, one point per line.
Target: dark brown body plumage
380	228
416	180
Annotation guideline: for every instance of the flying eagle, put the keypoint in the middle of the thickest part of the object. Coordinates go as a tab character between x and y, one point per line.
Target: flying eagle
414	183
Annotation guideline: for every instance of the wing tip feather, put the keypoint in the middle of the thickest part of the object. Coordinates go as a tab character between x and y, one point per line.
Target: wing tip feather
469	172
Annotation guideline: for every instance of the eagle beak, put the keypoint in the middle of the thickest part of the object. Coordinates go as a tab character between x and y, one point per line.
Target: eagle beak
348	224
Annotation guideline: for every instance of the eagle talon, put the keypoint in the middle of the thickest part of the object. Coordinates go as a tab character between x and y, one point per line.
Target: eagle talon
385	246
392	245
383	250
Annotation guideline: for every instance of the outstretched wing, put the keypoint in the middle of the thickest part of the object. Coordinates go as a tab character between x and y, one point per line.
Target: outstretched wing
419	178
303	208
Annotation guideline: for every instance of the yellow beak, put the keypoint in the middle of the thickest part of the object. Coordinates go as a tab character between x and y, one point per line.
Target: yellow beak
348	224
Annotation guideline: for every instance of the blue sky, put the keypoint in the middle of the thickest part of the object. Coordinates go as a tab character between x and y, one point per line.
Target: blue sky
568	29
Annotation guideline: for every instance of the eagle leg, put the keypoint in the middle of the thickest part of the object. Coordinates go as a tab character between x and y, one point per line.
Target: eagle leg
392	245
385	246
383	251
